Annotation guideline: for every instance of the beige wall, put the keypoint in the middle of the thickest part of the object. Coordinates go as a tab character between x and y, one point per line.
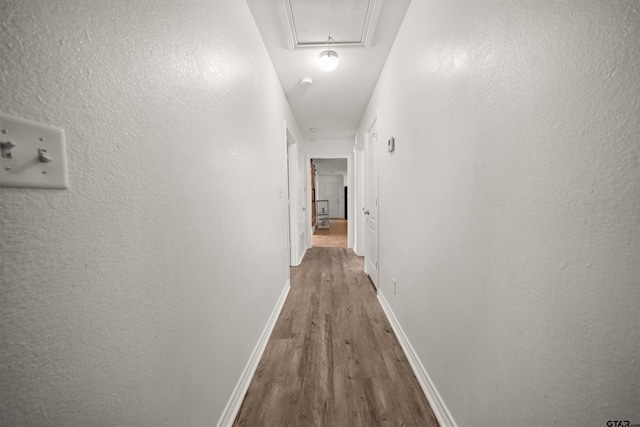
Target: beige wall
136	297
510	210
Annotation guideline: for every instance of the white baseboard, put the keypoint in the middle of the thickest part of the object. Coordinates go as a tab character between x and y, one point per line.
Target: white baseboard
437	404
235	402
302	256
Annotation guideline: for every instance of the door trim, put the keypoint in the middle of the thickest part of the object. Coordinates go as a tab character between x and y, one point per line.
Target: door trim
372	192
350	177
296	233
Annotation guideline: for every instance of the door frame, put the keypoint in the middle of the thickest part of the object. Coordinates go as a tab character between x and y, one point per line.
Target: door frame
372	196
349	208
291	230
296	208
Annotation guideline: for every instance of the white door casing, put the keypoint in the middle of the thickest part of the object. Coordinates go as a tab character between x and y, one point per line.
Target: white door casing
371	205
347	208
291	173
296	202
301	207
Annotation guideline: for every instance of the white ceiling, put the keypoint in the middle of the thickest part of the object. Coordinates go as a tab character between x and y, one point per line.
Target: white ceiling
336	101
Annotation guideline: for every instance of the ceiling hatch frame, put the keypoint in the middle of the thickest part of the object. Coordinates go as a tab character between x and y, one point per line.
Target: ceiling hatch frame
371	19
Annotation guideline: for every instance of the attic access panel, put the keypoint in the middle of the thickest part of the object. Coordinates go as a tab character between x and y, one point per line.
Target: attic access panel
352	22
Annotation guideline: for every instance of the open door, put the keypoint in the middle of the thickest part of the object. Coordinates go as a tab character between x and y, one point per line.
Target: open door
291	230
300	206
296	202
371	205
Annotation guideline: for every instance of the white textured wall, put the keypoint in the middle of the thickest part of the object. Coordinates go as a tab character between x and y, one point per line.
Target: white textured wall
510	211
328	147
136	297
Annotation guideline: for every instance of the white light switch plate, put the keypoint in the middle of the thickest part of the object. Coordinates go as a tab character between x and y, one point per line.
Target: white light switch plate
23	166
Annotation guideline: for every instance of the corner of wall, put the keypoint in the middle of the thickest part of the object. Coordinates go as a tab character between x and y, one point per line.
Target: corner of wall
235	401
445	419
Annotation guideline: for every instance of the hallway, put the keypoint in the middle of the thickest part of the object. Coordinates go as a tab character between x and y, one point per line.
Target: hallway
496	143
333	359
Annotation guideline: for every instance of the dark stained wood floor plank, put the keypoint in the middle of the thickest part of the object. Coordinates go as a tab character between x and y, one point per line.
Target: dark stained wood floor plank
332	359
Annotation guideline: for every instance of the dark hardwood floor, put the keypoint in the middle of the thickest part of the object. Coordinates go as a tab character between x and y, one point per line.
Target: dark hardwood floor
333	359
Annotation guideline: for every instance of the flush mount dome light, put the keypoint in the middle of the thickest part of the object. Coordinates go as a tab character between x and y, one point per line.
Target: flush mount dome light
328	60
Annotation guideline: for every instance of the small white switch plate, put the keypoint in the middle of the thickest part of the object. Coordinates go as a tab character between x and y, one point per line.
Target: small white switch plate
27	167
395	285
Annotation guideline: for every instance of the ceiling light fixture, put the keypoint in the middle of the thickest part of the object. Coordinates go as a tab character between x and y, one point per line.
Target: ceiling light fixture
328	59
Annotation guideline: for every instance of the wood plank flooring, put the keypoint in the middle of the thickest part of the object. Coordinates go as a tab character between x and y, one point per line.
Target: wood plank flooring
334	237
333	359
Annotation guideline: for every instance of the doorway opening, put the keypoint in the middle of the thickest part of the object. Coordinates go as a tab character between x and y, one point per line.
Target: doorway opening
330	184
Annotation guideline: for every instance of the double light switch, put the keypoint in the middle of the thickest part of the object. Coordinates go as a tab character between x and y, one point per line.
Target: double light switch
32	155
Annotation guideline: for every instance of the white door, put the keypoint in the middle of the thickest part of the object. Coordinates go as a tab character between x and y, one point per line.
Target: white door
332	193
301	206
371	206
296	202
291	202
